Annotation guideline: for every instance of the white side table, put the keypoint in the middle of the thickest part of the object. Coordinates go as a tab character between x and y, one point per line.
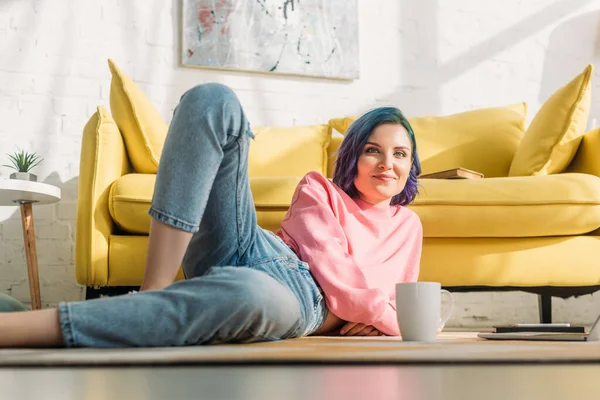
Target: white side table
26	193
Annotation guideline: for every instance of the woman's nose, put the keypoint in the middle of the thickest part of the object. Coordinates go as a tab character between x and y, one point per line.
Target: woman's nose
385	163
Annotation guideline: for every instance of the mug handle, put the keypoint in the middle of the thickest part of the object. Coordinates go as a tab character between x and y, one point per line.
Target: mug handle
451	308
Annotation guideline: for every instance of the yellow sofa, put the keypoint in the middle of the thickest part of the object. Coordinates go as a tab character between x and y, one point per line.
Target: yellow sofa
532	224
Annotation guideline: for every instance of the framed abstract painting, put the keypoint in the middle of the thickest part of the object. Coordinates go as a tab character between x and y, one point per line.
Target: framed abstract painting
316	38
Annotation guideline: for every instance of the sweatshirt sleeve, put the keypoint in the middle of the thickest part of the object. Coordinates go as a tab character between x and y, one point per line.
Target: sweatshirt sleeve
389	323
317	237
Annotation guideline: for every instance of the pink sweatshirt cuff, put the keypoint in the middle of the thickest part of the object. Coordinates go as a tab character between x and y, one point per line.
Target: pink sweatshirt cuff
389	323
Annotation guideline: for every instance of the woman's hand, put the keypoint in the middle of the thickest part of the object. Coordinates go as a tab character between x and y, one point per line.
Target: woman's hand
358	329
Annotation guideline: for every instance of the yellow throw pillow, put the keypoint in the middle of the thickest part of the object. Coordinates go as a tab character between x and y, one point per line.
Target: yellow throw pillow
483	140
140	123
552	139
292	151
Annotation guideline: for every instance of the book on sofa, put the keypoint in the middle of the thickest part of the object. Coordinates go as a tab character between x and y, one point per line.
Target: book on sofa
454	173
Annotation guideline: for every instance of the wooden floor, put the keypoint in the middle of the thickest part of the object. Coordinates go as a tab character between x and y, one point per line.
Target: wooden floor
490	382
450	348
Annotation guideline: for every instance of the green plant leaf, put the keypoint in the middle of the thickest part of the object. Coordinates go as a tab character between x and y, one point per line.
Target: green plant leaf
23	161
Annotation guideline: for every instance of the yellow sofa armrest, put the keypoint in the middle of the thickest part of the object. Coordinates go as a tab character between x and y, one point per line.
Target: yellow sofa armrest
103	159
587	158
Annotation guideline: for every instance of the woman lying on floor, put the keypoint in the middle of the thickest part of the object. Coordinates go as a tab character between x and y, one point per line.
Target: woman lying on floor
331	268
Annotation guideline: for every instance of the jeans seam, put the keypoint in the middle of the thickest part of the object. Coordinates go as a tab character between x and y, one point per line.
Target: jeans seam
252	334
317	322
266	260
237	199
66	324
172	220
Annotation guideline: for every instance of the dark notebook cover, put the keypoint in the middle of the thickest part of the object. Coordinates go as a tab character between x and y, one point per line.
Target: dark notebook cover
563	329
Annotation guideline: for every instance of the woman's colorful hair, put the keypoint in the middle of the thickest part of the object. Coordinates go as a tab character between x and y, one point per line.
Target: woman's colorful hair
352	146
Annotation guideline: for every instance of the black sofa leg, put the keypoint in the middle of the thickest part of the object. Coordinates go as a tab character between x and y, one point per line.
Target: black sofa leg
91	293
545	308
94	293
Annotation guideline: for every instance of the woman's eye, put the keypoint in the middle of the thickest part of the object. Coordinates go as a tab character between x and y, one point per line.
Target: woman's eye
372	150
400	154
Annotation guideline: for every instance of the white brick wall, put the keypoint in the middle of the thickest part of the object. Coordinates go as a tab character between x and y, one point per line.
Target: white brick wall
427	57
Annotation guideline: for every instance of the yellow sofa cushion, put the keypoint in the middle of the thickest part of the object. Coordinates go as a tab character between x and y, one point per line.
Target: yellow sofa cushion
535	261
556	131
483	140
127	260
292	151
553	205
541	261
141	125
130	197
129	201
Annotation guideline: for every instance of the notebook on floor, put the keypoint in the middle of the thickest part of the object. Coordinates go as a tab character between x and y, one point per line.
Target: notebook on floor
592	336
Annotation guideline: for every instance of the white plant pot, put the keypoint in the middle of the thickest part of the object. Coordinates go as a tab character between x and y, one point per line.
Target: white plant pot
24	176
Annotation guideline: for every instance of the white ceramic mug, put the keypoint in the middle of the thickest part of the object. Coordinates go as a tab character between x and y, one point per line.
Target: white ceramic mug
418	308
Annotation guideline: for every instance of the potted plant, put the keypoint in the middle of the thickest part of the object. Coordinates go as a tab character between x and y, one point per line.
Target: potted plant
23	162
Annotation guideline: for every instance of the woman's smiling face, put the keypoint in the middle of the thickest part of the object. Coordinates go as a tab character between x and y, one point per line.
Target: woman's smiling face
384	164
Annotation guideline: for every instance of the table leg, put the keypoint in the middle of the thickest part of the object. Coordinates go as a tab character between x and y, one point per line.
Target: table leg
31	255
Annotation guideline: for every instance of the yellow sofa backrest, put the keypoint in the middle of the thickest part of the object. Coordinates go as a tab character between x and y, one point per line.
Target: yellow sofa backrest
290	151
491	140
483	140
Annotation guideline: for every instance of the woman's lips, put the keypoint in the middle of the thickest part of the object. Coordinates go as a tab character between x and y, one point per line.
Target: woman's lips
384	178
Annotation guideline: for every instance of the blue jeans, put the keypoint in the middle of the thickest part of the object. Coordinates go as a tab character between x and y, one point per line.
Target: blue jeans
243	284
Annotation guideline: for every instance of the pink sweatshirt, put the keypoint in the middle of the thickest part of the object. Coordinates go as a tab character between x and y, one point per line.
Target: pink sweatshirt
356	252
